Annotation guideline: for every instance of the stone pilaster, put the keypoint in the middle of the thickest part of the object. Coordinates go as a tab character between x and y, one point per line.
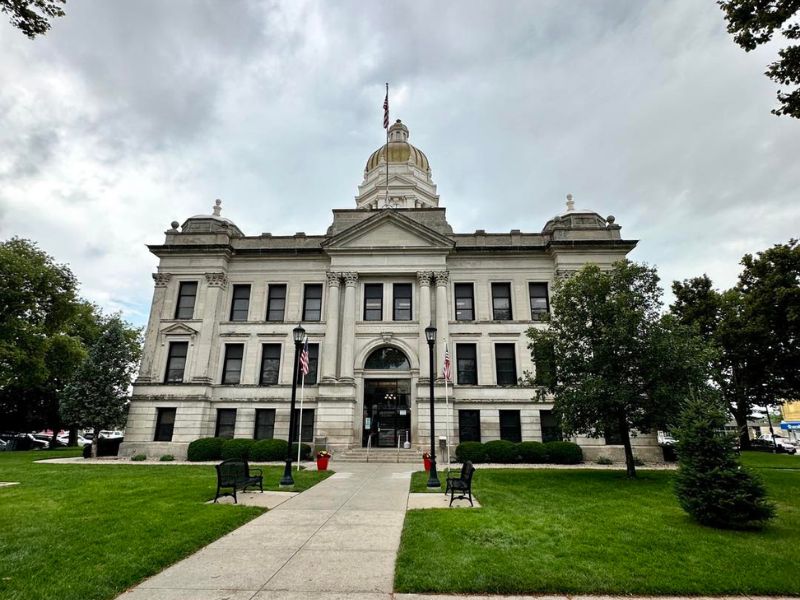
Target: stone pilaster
442	333
348	326
146	373
202	367
425	318
330	345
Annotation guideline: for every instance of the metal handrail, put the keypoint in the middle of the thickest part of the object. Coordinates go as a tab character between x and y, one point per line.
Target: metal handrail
397	460
369	444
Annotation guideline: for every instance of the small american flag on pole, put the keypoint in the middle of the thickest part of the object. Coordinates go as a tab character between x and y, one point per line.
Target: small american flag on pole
446	373
386	109
304	359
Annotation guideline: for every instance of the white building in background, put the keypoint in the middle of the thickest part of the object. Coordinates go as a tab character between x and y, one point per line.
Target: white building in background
218	356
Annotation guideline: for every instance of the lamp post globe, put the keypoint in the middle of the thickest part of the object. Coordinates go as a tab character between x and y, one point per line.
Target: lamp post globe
298	335
433	478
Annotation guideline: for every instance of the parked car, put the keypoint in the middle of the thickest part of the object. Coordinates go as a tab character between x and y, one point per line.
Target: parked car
106	434
780	441
82	441
3	445
761	445
38	441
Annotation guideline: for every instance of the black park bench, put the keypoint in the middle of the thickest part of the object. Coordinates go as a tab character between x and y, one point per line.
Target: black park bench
461	484
236	473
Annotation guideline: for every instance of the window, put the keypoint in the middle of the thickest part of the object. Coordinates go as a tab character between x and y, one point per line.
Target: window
387	358
466	364
505	364
240	303
176	362
313	362
265	424
312	302
465	302
509	426
469	426
276	302
551	429
165	422
540	305
308	424
226	422
232	369
402	302
270	364
187	293
612	435
501	301
373	302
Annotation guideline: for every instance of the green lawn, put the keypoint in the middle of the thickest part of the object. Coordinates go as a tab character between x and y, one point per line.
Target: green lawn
84	532
582	531
765	460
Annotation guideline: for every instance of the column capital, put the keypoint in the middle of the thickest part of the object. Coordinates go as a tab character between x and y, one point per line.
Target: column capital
161	279
219	280
442	277
424	277
334	279
350	278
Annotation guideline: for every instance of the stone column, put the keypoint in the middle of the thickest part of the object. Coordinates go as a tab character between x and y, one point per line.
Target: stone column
348	326
330	345
204	350
442	334
146	373
425	319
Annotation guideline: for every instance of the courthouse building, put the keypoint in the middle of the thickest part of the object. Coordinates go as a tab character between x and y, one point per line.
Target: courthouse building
218	355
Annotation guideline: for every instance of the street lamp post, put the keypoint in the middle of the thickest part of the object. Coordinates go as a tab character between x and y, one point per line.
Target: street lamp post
433	478
299	334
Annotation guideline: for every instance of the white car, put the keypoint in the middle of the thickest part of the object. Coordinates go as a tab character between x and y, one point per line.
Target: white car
779	440
82	441
110	435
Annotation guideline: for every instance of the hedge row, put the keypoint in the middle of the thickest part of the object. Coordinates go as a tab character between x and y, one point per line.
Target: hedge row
502	451
207	449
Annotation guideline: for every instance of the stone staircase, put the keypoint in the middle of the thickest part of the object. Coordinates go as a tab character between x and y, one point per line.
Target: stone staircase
379	455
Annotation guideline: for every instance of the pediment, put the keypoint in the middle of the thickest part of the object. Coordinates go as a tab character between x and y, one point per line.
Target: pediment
179	329
389	230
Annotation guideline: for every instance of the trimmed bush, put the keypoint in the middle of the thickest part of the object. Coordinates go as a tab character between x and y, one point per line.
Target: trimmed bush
139	457
473	451
305	451
167	458
564	453
267	450
205	449
501	451
532	452
237	448
604	460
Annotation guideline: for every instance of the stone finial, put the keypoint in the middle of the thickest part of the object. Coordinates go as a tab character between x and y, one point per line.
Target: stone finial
570	203
610	219
174	225
217	207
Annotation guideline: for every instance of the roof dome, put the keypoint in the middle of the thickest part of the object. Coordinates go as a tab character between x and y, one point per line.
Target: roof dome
400	151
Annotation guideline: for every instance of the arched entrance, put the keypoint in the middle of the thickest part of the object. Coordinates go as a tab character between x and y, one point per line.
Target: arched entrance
387	398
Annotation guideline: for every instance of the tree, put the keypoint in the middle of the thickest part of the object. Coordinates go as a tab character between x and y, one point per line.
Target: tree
753	23
710	484
619	365
98	394
31	16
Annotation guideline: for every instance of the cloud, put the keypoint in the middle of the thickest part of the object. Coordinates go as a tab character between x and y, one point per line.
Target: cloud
131	114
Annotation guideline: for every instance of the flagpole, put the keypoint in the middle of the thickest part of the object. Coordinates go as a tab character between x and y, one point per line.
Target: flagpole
386	121
300	422
447	411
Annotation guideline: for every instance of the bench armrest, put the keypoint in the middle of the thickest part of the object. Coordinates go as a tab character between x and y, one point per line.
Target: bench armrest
256	472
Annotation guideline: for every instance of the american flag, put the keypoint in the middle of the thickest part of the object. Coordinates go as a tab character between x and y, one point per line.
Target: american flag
446	373
304	359
386	109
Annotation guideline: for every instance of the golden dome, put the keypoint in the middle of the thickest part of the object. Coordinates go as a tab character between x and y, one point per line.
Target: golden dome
400	151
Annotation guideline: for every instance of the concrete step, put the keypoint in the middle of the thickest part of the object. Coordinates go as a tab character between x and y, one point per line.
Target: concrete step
383	455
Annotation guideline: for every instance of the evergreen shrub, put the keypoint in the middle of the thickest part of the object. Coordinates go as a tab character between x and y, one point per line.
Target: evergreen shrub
269	450
472	451
139	457
205	449
710	484
501	451
237	448
305	451
532	452
564	453
167	458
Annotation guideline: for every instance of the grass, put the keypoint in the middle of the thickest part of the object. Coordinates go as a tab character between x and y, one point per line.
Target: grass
766	460
88	532
595	532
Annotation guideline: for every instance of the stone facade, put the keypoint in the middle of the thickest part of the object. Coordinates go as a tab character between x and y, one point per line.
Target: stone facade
207	346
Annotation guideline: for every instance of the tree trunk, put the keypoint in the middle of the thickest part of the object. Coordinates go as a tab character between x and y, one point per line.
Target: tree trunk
95	440
740	412
630	467
73	436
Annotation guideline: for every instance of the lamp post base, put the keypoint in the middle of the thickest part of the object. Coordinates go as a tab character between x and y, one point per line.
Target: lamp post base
286	480
433	478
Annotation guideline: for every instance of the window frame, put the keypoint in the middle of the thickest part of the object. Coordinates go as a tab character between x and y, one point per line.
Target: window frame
502	285
270	288
298	434
234	309
170	357
497	359
217	431
516	434
538	314
158	436
464	285
461	437
367	297
313	361
307	298
263	411
225	368
410	298
178	307
264	357
460	346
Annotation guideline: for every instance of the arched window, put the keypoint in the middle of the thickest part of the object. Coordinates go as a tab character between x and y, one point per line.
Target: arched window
387	358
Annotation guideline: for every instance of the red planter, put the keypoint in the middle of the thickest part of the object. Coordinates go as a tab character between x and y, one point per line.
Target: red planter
427	462
322	463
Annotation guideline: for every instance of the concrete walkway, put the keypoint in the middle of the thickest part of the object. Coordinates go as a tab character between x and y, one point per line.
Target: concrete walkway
337	540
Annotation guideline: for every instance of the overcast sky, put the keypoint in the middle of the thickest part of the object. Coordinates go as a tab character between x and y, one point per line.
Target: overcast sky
131	114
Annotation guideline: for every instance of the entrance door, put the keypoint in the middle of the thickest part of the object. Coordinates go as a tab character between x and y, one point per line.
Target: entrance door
387	412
